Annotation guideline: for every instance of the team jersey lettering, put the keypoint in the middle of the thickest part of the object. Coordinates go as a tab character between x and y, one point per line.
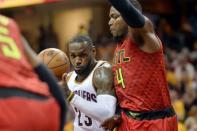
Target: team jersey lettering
119	77
87	122
120	57
7	44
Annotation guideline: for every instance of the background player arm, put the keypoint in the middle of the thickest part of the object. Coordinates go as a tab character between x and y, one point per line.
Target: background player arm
142	30
46	76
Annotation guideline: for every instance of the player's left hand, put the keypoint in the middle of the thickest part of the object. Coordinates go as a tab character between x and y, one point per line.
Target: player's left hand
66	90
111	123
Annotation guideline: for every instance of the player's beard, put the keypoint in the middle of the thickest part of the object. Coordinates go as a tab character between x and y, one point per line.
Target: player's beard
84	70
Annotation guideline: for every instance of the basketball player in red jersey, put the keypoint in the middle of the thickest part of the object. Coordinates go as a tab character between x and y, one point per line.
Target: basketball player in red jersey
140	78
27	103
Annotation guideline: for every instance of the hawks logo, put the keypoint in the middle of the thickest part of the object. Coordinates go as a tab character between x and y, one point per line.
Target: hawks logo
120	57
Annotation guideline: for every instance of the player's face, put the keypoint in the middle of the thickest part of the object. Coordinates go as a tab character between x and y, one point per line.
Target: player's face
81	56
117	25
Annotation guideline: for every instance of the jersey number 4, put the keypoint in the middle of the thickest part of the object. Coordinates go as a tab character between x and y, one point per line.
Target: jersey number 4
7	44
87	123
120	78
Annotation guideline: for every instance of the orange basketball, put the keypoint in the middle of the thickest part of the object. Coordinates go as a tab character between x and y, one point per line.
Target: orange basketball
56	60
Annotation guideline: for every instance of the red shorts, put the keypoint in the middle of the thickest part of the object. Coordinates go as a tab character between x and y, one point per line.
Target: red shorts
129	124
22	114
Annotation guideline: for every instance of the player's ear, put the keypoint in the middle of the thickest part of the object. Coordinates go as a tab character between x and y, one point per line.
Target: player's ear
94	51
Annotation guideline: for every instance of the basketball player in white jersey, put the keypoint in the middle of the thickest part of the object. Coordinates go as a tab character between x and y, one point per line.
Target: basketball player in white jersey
91	90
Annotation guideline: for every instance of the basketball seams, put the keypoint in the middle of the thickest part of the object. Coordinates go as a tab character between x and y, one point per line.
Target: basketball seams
52	58
57	66
57	61
52	67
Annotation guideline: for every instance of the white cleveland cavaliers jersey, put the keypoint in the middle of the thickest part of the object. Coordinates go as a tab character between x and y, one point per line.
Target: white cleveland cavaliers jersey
85	90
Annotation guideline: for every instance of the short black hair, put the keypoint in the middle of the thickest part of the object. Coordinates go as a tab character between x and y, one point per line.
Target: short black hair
136	4
83	39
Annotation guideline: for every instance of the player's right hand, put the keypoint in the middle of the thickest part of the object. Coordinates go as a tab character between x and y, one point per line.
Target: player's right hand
111	123
64	86
67	92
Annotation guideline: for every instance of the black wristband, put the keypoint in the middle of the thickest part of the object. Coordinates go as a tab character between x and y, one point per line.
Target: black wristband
71	95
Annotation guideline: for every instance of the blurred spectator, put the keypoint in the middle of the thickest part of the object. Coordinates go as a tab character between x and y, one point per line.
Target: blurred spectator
181	127
193	20
48	38
177	104
191	121
82	30
182	79
105	49
169	37
189	98
184	71
186	30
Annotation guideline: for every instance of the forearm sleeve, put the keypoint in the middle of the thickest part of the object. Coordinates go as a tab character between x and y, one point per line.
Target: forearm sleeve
130	14
100	111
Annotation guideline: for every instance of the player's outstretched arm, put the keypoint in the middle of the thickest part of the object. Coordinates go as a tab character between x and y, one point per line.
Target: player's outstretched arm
106	101
141	28
46	76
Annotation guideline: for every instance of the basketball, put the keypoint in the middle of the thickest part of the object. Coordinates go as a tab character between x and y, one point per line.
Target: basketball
56	60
